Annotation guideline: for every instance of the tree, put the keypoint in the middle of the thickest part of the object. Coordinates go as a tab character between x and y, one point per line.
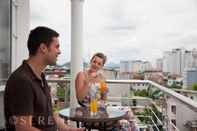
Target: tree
142	93
175	86
61	93
194	86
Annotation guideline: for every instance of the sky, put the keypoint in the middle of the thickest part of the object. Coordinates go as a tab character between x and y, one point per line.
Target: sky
122	29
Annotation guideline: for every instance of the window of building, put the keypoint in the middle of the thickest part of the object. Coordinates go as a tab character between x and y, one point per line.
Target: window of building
173	109
5	60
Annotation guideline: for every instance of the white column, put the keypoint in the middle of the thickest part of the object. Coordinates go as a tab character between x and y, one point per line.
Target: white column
76	45
20	31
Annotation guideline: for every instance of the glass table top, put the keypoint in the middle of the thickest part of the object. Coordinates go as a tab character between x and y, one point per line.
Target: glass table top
83	114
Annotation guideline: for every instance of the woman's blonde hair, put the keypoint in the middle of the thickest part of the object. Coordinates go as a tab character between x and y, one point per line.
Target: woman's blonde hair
100	55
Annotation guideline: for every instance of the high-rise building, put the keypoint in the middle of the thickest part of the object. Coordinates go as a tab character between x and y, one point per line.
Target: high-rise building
189	77
187	60
159	64
169	63
146	66
137	66
190	73
194	58
176	61
125	67
134	66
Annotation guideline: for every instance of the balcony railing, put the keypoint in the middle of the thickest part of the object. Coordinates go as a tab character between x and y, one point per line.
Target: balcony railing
185	100
192	105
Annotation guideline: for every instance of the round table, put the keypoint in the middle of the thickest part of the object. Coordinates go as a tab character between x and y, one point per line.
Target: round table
81	114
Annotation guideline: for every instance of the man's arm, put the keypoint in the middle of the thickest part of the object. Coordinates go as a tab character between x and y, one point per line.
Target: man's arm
24	123
62	126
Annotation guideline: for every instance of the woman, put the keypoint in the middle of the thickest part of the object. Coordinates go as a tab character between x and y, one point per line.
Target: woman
85	78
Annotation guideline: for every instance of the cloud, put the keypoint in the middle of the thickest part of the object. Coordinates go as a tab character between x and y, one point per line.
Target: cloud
189	39
137	29
55	15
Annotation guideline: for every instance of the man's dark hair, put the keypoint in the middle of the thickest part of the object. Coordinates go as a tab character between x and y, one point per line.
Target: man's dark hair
40	35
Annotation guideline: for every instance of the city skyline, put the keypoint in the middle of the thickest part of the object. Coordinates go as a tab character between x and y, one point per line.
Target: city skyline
129	30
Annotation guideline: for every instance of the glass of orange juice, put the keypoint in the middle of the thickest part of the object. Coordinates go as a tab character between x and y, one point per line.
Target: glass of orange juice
93	100
93	107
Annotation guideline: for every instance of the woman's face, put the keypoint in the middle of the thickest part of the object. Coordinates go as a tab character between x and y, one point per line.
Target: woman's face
96	63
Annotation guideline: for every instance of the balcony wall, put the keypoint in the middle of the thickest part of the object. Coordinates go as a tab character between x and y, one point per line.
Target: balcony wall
184	114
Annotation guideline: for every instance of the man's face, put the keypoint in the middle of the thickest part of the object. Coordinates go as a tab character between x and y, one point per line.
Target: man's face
53	52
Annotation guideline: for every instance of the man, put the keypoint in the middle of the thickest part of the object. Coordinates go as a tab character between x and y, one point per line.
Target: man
27	99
